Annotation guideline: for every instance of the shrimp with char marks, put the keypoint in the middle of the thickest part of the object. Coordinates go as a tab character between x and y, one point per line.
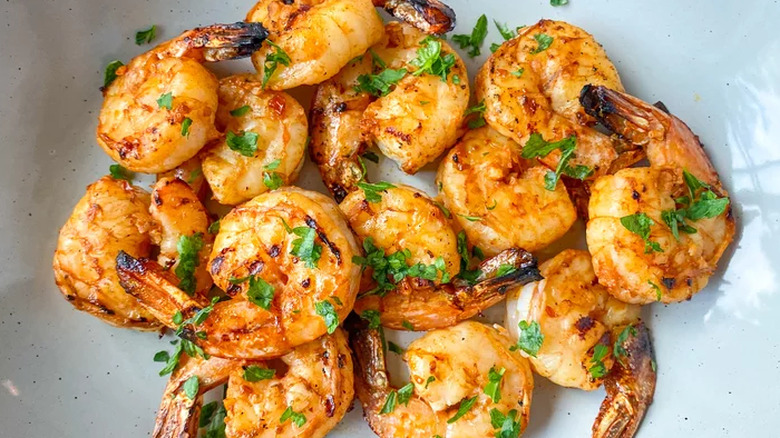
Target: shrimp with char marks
284	257
655	233
159	111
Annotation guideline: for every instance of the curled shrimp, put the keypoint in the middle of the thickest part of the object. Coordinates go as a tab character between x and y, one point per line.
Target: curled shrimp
115	216
273	122
406	221
315	380
430	16
411	124
589	339
531	85
685	213
284	257
449	368
499	198
159	111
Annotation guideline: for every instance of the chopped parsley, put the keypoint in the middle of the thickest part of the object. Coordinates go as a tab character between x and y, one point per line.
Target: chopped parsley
493	387
700	203
328	313
245	143
395	348
118	172
474	41
505	269
185	127
296	417
240	111
390	403
162	356
430	59
478	109
537	147
145	36
463	408
372	191
371	156
443	209
618	350
657	290
271	179
372	316
272	61
505	31
110	75
165	101
254	373
559	2
598	369
429	380
405	394
188	248
530	338
465	260
259	293
191	387
470	218
519	72
544	41
376	61
214	227
639	224
407	325
508	426
212	417
305	248
379	84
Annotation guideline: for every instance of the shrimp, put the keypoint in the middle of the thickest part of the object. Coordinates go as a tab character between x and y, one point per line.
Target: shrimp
411	124
430	16
274	126
450	368
531	85
115	216
656	233
284	257
191	172
499	198
315	380
407	228
159	111
576	317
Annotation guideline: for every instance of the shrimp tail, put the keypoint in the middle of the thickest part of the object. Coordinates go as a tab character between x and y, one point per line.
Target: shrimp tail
430	16
630	387
372	384
219	42
628	117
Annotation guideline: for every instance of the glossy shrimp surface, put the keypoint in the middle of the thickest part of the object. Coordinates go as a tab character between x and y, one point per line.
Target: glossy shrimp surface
314	380
531	84
318	36
574	313
660	266
499	198
448	367
115	216
159	111
284	257
276	125
407	220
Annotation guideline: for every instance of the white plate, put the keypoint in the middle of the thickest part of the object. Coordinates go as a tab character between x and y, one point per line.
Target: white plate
715	64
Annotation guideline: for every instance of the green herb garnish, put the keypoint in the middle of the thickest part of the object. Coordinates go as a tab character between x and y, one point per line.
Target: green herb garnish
245	143
463	408
474	41
188	248
297	418
254	373
639	224
379	84
110	75
493	387
272	61
145	36
530	338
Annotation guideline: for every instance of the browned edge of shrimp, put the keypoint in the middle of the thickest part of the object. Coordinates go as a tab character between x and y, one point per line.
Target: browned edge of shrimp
220	42
630	387
430	16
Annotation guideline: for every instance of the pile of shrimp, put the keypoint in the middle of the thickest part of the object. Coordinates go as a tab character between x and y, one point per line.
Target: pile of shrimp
284	299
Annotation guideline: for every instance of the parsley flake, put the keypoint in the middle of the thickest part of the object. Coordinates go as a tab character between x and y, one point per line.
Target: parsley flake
544	42
272	180
145	36
598	369
297	418
530	338
559	2
395	348
328	313
240	111
260	292
463	408
474	41
380	84
254	373
272	61
185	127
372	191
372	316
245	143
657	290
429	380
110	74
508	426
118	172
188	248
165	101
493	387
618	351
191	387
305	248
430	59
639	224
537	146
214	424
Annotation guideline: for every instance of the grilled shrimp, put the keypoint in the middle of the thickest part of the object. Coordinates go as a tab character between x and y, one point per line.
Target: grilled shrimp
315	380
159	111
444	380
499	198
407	228
531	84
411	124
656	233
271	123
284	257
191	172
577	317
115	216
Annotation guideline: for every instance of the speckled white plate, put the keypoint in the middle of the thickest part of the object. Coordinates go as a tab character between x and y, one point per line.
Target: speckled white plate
715	64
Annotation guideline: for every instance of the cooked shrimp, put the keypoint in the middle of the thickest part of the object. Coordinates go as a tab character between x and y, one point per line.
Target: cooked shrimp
115	216
190	172
430	16
499	198
272	123
314	380
286	259
576	316
411	124
406	224
449	368
531	85
159	112
678	209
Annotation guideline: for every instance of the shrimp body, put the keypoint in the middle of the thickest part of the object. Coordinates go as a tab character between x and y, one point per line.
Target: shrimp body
531	84
159	111
115	216
447	367
280	126
499	198
319	36
315	380
284	257
574	313
624	263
